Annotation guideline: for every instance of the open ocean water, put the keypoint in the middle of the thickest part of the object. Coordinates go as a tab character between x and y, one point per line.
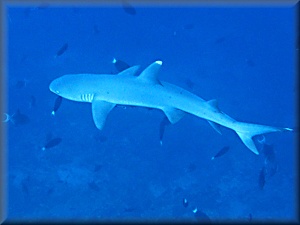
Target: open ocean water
243	56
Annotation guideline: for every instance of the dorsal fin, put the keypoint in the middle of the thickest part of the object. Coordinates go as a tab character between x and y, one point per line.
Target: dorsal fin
214	104
131	71
150	74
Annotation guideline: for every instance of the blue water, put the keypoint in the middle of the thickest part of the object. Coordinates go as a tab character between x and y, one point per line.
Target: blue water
242	56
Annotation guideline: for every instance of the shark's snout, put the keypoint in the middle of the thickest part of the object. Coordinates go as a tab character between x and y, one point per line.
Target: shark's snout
54	87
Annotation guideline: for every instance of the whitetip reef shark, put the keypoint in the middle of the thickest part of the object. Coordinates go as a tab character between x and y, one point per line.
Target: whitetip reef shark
105	91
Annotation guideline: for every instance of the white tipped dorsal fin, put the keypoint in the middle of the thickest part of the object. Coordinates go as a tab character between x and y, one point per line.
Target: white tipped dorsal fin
131	71
150	74
174	115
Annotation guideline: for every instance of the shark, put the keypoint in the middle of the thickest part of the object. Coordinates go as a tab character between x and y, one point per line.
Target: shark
105	91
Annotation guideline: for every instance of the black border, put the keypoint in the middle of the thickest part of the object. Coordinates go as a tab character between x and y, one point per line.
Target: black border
80	3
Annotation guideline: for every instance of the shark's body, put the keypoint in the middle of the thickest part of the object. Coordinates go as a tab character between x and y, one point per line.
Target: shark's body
105	91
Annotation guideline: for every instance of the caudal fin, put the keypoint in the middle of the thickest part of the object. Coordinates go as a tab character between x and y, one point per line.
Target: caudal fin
247	131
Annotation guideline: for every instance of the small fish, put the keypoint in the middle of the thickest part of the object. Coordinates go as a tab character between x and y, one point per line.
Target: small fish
189	83
17	118
188	26
95	29
249	217
128	209
120	65
129	9
185	202
270	162
61	50
24	186
223	151
32	101
50	190
97	168
21	84
162	127
42	6
52	143
201	216
250	62
191	167
220	40
93	186
269	153
262	178
56	105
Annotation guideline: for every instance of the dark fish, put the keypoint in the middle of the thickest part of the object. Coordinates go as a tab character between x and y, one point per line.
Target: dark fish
62	50
189	83
223	151
191	167
270	170
120	65
128	209
97	168
95	29
269	153
42	6
17	118
188	26
21	84
102	138
129	9
220	40
262	178
250	62
24	185
52	143
201	216
93	186
270	163
249	217
32	101
162	127
185	202
50	190
56	105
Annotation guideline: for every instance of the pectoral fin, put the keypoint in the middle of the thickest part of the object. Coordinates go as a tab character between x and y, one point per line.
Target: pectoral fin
100	110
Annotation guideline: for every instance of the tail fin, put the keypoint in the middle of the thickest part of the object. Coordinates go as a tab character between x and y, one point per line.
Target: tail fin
248	130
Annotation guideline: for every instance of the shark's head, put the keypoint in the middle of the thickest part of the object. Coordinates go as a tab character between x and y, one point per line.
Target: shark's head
59	87
71	87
